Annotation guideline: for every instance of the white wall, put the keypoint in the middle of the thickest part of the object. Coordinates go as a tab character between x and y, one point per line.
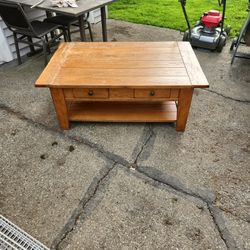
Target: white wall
5	52
95	16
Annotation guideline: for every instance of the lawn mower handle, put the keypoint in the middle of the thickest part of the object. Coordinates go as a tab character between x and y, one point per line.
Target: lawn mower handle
183	4
221	2
224	2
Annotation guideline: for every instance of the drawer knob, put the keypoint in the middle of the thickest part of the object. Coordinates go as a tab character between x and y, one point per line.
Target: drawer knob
90	93
152	93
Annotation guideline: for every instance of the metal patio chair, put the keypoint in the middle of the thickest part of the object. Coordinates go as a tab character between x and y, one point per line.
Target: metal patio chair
67	21
24	30
243	38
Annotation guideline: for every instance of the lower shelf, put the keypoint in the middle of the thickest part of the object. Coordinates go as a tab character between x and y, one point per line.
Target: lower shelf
122	111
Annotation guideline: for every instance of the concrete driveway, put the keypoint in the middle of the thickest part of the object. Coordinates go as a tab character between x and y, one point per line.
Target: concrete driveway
129	186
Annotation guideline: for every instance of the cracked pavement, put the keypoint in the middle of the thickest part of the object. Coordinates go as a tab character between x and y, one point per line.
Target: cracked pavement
129	186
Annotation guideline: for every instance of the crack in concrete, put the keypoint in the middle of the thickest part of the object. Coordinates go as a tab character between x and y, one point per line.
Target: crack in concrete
174	183
221	228
227	97
89	195
217	219
140	142
148	137
111	156
94	186
107	154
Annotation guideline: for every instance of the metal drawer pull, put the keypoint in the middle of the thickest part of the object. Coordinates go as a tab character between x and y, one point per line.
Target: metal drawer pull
90	93
152	93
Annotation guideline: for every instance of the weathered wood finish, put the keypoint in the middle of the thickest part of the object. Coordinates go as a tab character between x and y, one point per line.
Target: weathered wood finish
152	64
152	93
120	94
91	93
184	103
122	112
60	107
195	73
138	82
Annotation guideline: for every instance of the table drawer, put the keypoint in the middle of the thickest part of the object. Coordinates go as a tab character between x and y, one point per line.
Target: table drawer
152	93
87	93
121	93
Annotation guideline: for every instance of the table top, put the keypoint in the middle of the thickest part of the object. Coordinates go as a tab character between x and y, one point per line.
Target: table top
123	64
83	6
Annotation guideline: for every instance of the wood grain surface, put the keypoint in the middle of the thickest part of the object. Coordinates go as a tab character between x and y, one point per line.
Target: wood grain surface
122	111
123	64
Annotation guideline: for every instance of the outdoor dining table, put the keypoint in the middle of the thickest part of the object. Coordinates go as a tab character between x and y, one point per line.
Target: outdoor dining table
84	6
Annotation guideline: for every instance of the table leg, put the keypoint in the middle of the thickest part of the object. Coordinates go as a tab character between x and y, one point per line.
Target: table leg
82	29
184	102
60	107
104	24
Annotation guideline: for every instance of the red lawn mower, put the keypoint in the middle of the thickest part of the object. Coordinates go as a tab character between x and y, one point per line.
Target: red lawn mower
209	32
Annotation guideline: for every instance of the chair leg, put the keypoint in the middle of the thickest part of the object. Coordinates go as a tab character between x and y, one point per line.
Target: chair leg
17	48
90	31
243	29
69	35
235	51
32	49
45	45
65	35
47	41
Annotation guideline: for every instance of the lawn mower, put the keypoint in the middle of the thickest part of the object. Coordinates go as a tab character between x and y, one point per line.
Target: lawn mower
209	32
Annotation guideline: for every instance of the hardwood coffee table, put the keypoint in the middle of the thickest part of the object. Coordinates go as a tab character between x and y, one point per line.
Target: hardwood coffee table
123	82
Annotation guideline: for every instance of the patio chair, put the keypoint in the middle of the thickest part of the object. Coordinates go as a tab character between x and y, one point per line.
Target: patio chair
243	38
24	30
67	21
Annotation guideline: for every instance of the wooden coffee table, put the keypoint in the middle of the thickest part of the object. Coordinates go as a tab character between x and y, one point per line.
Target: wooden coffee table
123	82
